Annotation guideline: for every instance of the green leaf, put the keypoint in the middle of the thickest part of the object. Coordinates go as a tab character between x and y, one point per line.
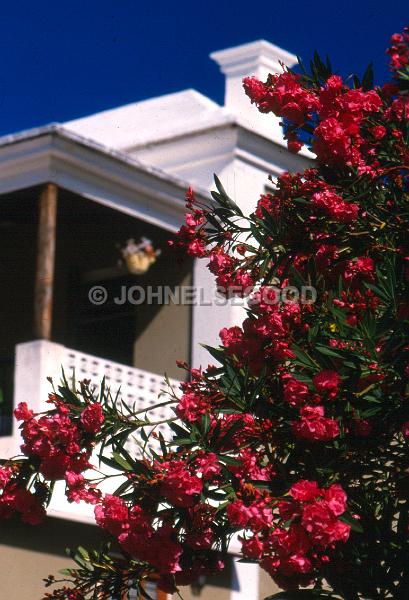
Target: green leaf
357	83
125	485
229	460
257	234
354	524
328	351
213	221
109	462
230	433
381	293
217	353
162	444
83	553
227	201
367	79
205	423
183	442
102	389
180	431
121	461
264	266
322	69
303	358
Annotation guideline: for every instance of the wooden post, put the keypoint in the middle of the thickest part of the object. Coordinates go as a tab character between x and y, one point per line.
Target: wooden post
44	281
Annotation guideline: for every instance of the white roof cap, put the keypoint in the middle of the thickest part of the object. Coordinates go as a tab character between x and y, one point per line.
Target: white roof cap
250	59
257	58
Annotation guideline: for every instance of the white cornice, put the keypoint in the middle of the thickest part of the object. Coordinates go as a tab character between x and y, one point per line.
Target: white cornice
93	171
224	143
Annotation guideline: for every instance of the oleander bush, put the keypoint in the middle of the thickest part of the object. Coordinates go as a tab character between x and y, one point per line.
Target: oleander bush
295	437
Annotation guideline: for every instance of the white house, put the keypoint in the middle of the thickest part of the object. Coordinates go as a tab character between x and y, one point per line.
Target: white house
68	194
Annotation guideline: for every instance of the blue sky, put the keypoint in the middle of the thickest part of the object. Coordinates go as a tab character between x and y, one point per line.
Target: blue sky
65	59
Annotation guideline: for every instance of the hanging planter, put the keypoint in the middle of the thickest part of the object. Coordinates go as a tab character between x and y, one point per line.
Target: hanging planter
139	257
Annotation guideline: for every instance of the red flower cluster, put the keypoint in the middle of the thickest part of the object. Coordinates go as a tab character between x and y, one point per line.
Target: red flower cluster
338	138
341	113
293	551
295	392
356	303
196	399
92	418
283	95
178	485
262	341
57	445
136	534
335	207
257	515
230	279
190	238
79	490
269	204
14	498
56	440
191	406
322	211
327	382
179	558
399	50
314	426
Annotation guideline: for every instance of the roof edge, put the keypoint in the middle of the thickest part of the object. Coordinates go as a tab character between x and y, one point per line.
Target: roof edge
56	129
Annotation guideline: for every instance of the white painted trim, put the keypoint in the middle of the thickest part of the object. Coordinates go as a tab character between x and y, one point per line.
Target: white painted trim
85	168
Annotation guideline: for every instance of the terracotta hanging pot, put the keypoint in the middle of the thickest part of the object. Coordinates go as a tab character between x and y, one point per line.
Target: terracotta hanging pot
139	256
139	262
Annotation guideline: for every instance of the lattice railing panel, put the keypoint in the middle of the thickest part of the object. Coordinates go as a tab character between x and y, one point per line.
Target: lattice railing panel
139	389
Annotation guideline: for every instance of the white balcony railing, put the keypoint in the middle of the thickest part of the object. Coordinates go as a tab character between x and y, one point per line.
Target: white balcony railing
38	360
137	387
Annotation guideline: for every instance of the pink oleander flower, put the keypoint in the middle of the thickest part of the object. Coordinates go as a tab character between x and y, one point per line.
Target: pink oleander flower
92	417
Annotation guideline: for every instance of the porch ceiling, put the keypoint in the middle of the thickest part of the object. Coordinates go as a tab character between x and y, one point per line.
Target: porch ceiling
52	154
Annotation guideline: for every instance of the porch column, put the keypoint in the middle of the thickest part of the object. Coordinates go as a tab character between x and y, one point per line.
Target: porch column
43	294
